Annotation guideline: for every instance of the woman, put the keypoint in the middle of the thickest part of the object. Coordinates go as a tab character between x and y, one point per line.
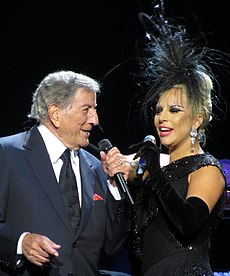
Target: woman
178	204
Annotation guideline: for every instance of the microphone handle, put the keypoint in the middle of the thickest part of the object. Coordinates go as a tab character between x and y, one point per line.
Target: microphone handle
120	180
105	146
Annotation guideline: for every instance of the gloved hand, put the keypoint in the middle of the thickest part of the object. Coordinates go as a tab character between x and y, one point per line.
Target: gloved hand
149	155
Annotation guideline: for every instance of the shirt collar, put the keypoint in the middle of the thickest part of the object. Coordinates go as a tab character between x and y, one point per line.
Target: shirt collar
54	146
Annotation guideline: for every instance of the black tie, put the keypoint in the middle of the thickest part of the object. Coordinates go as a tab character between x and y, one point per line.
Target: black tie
68	187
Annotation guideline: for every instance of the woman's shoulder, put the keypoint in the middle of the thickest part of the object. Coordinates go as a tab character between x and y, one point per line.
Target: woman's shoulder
189	164
211	162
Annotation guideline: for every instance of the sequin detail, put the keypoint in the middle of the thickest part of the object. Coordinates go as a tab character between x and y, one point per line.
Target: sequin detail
188	164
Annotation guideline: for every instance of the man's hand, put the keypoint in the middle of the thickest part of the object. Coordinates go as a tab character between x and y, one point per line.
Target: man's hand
39	249
114	162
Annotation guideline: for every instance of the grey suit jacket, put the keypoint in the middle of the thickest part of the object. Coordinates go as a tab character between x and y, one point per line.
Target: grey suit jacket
30	200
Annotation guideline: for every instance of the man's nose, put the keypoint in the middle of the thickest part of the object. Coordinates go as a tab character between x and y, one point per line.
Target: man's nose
94	120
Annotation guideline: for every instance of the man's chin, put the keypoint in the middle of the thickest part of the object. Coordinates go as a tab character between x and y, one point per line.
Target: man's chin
85	144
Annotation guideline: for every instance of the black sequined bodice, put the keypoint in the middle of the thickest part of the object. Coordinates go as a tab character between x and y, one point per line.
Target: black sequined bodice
188	164
163	250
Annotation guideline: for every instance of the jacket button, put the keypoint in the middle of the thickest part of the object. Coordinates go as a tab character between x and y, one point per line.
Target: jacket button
74	245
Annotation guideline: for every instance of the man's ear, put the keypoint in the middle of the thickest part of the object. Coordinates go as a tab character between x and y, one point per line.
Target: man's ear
53	111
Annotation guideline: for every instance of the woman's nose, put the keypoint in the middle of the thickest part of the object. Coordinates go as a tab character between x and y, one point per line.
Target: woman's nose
163	116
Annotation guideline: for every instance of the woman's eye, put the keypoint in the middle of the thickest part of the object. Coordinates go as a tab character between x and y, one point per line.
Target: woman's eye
174	109
158	110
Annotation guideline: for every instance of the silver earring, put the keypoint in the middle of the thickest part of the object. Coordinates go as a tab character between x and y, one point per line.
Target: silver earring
193	135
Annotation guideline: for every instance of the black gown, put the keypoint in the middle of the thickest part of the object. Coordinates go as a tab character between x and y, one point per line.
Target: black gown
162	248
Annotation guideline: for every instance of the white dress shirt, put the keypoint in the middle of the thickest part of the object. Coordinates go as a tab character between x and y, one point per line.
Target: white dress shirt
55	149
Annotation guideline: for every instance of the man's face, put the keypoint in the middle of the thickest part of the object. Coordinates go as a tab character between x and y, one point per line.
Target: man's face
76	121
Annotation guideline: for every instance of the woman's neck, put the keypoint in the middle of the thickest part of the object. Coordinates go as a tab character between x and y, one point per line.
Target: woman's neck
178	154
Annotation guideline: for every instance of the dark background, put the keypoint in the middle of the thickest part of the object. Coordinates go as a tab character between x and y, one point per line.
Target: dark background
98	38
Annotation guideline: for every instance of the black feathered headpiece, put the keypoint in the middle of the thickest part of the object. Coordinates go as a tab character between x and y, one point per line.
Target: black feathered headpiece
170	58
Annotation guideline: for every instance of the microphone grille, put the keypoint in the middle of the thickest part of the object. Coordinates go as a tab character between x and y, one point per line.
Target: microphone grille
104	145
150	138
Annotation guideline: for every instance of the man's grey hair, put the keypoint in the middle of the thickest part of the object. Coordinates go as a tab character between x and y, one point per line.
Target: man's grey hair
59	88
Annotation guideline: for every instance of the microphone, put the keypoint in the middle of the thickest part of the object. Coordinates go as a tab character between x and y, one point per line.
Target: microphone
142	163
105	145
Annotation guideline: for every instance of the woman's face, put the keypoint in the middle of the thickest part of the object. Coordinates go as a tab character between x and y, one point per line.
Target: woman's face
173	120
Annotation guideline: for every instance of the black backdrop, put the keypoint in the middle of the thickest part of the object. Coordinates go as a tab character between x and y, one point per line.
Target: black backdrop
97	38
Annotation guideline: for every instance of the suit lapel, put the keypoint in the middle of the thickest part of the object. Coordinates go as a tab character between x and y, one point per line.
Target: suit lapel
39	161
87	183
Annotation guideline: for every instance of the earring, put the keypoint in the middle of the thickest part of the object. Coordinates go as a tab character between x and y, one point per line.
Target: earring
193	135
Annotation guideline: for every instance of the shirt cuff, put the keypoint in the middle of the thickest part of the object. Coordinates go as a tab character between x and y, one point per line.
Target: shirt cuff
19	247
114	191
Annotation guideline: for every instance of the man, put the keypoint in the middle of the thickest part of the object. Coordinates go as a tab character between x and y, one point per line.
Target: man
36	235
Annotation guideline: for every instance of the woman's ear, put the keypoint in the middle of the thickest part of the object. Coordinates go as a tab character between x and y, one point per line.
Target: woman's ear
198	122
53	111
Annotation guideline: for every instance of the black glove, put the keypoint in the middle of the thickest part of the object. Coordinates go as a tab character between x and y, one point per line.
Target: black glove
188	215
149	155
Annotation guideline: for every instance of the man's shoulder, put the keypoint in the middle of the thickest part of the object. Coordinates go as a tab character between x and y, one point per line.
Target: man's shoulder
12	137
89	156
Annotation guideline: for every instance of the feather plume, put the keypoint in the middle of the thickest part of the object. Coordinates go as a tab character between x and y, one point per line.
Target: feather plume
172	58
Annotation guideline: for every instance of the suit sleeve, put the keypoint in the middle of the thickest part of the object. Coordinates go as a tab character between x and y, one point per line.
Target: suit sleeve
8	236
